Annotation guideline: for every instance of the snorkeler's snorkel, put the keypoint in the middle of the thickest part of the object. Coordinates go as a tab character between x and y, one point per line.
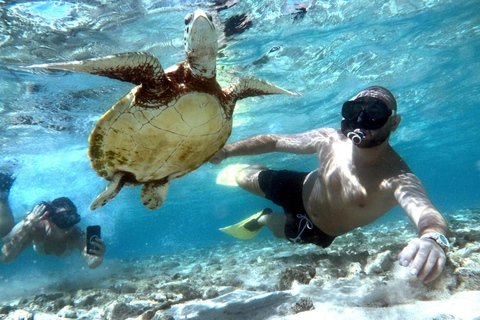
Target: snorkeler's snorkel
356	136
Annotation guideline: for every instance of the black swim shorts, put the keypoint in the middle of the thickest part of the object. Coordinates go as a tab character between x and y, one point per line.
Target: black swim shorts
284	188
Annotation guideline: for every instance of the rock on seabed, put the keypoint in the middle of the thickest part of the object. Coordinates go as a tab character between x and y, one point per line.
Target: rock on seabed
262	279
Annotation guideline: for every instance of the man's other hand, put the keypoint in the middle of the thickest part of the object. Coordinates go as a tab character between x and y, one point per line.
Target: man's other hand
425	258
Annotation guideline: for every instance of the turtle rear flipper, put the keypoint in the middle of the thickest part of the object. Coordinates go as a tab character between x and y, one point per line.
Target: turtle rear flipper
110	192
134	67
154	193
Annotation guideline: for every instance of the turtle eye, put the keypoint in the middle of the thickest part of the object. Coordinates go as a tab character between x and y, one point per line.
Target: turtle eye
188	18
209	16
274	48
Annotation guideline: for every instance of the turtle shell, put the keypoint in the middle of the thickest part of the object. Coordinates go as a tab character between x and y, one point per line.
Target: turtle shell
155	143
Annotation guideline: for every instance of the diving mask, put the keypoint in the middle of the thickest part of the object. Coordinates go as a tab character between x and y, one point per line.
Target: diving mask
365	113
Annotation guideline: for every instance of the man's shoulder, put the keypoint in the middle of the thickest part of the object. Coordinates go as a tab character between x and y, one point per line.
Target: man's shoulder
77	232
76	238
398	163
397	173
330	131
325	133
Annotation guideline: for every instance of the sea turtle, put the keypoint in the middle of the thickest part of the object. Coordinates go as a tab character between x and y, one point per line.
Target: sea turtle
171	123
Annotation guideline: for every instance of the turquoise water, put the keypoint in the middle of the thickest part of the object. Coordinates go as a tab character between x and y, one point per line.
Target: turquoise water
426	52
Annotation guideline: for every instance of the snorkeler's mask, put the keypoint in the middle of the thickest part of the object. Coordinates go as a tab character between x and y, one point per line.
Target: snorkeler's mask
62	212
366	113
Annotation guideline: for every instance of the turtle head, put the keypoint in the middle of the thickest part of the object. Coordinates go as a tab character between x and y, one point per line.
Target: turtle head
200	41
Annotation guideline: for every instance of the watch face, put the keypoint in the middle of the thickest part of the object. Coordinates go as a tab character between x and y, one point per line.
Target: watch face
443	240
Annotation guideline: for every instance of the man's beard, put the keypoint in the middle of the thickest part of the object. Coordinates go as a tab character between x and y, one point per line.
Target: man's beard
375	138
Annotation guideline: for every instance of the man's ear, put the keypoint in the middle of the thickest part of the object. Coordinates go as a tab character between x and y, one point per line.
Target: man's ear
395	122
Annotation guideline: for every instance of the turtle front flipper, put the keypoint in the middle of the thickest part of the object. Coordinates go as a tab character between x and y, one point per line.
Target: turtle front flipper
154	193
251	86
134	67
110	192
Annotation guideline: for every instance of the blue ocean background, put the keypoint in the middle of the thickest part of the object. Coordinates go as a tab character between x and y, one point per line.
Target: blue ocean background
427	52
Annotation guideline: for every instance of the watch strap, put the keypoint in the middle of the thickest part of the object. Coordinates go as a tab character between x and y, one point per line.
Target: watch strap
438	238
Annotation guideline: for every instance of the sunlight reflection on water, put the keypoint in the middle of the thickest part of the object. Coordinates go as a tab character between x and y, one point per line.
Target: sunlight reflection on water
48	13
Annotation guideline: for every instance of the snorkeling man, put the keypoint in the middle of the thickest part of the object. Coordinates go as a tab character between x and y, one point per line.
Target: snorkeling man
359	179
50	228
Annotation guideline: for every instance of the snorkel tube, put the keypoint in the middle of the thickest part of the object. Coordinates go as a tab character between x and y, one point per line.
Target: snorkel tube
356	136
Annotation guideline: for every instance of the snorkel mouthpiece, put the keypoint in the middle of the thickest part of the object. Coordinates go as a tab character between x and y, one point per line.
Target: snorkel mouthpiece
356	136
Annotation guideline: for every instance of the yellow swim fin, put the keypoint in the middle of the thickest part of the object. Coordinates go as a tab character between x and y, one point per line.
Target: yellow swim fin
227	175
239	231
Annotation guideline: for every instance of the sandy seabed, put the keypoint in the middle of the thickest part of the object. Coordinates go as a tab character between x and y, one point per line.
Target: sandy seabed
357	277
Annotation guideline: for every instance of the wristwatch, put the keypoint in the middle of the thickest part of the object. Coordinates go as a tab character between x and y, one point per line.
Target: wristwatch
438	238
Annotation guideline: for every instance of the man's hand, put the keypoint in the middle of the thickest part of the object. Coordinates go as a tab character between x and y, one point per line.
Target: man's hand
95	258
38	213
22	234
425	257
99	249
219	156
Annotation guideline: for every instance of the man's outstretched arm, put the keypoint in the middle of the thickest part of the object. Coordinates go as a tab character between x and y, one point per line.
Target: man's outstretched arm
301	143
425	257
22	234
